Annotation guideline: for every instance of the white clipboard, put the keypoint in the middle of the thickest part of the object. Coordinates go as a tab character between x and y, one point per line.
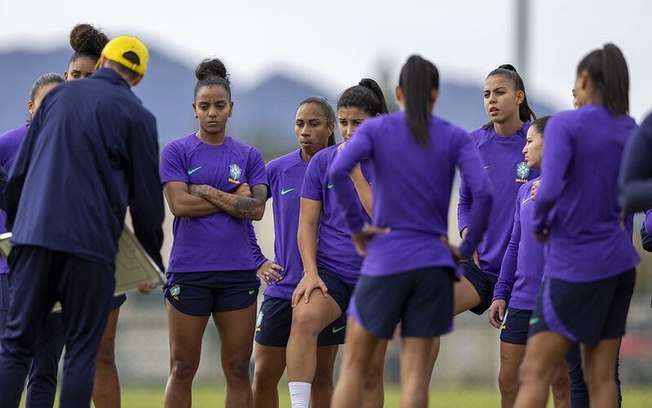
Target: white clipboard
133	266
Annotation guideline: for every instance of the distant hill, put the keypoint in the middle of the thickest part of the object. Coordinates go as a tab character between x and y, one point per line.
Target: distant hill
263	113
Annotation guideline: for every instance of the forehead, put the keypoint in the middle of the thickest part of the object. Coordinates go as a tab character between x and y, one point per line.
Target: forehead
498	81
352	112
533	133
310	111
82	64
212	93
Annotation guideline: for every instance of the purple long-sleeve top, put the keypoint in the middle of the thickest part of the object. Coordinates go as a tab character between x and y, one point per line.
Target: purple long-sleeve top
9	143
411	192
502	161
522	268
577	201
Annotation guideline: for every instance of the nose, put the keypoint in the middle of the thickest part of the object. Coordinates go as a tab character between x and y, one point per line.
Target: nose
212	112
304	130
524	151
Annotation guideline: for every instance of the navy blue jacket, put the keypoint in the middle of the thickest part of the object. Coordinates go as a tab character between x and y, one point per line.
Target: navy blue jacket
636	170
3	183
91	150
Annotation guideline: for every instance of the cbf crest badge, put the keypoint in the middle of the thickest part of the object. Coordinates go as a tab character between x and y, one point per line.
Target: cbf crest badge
175	290
234	173
522	172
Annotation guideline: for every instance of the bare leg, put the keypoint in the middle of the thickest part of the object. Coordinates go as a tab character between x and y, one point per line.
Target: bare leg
186	334
599	362
465	295
269	364
106	389
418	356
511	356
236	330
360	347
544	354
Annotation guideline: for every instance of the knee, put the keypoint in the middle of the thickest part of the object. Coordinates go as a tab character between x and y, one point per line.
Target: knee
508	381
236	368
305	323
183	369
105	358
373	380
266	376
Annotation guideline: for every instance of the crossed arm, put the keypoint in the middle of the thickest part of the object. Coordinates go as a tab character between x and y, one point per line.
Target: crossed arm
200	200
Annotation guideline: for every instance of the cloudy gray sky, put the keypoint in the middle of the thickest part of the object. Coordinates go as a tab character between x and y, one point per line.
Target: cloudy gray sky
337	42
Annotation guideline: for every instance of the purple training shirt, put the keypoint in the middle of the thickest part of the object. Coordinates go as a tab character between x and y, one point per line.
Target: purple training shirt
411	192
577	201
502	161
335	251
216	242
522	269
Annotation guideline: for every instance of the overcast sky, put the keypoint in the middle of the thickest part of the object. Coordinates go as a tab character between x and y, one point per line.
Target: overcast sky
336	42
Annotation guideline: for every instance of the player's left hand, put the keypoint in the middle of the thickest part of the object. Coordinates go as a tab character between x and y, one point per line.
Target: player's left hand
146	288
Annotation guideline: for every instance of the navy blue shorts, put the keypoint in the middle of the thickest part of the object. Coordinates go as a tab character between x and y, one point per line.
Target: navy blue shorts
339	290
4	299
275	320
203	293
421	299
516	324
484	283
584	312
118	301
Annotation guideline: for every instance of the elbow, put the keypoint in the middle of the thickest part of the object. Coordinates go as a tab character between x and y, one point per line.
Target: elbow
258	213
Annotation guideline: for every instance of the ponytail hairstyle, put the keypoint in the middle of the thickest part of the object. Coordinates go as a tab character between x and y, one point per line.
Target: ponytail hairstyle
508	71
367	95
540	124
419	77
212	72
327	110
608	71
87	42
43	80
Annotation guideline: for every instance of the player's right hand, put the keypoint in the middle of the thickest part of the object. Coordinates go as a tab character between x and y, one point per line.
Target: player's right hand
496	312
270	272
306	286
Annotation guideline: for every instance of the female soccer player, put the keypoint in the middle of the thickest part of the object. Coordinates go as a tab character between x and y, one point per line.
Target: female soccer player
500	143
214	186
408	272
314	129
518	284
330	264
589	274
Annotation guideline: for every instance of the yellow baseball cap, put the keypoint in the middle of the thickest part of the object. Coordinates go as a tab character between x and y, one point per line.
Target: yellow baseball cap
127	51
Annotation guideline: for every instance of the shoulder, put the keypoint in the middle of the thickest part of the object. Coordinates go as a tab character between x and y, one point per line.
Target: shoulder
13	134
242	148
284	161
185	143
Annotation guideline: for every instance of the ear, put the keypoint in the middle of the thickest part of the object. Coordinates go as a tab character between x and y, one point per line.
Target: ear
584	79
434	94
520	96
194	109
30	106
136	80
65	75
231	109
398	92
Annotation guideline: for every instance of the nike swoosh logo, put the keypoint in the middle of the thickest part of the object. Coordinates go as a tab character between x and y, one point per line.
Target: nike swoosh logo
485	167
284	191
338	329
251	292
329	186
534	320
193	170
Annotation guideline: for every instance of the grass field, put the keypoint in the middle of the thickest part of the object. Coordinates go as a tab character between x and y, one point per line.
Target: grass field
467	397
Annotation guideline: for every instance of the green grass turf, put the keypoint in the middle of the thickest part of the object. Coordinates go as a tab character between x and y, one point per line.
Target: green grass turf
463	397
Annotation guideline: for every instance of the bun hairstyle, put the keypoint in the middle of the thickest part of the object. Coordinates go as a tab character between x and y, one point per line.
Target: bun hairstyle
418	78
212	72
367	95
508	71
87	41
607	68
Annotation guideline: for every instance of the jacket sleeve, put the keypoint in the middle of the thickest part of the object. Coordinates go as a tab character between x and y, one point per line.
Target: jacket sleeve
145	195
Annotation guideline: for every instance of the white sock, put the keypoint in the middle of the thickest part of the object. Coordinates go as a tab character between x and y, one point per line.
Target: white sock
299	394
